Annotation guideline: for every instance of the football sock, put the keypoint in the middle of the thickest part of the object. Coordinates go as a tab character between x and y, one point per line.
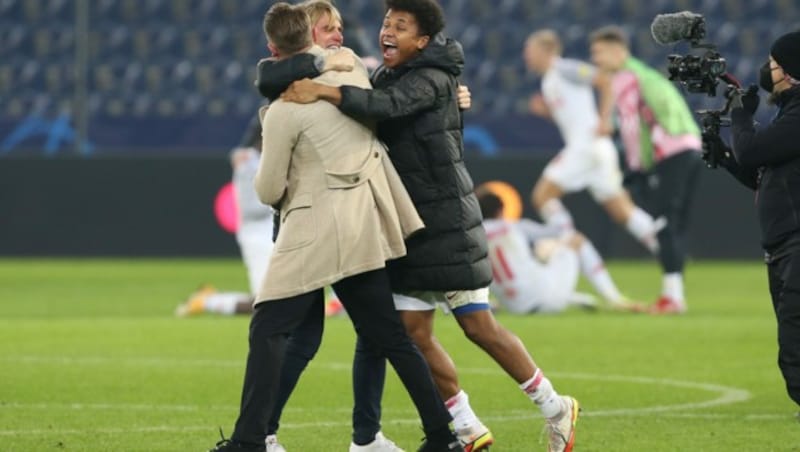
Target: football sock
540	390
555	214
673	287
642	226
224	302
594	269
463	416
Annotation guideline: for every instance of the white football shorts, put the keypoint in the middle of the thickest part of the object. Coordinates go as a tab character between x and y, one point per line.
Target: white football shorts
596	169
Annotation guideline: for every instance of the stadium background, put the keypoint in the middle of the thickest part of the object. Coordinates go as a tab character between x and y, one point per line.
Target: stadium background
117	116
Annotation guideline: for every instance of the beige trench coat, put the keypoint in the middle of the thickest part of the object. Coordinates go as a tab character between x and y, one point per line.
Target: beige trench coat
344	209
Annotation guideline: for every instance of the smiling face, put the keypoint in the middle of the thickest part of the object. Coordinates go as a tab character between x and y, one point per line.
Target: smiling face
400	38
327	32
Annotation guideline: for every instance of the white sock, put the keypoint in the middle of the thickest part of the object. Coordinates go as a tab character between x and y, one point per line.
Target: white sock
540	390
463	416
555	214
642	226
594	269
224	302
673	287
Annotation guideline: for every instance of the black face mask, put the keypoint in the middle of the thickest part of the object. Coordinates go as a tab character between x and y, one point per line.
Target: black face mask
765	78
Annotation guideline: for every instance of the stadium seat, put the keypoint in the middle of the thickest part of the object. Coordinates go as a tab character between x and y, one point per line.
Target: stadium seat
206	49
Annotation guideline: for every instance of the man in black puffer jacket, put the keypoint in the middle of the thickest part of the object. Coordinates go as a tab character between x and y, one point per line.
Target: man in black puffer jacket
415	105
768	161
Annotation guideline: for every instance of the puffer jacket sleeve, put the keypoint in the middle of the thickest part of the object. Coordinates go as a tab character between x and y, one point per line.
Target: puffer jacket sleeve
773	145
275	76
416	91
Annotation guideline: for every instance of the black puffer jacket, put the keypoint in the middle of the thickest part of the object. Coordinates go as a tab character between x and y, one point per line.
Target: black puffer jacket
416	108
768	160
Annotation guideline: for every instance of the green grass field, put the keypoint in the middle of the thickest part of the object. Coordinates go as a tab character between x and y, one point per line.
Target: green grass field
91	358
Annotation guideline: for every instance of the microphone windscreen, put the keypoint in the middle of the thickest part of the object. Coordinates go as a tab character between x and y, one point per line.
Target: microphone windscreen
670	28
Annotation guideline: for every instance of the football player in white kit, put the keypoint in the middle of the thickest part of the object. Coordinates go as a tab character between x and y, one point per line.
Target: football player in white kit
589	159
254	237
536	267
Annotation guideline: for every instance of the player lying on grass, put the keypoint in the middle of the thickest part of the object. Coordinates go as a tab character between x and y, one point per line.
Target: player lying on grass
536	268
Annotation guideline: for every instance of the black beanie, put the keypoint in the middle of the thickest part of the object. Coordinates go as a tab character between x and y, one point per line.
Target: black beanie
786	52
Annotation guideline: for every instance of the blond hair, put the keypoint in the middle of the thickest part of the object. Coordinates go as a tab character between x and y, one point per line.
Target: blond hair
317	9
548	39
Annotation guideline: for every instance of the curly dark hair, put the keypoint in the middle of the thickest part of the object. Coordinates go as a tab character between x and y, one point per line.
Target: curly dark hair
428	13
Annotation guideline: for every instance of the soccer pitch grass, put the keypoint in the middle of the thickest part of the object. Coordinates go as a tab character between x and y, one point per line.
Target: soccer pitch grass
91	358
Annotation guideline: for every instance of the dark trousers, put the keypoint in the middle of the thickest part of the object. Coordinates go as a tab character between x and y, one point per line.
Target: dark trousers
368	300
667	192
301	347
784	287
369	375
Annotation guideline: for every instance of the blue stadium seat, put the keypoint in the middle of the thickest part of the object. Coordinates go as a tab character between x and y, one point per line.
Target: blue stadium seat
11	10
15	42
7	83
197	57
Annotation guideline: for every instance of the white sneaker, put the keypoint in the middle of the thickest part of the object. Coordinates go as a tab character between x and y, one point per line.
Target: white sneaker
561	429
381	444
273	445
476	438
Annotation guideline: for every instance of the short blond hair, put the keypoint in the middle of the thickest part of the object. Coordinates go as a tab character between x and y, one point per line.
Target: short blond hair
316	9
548	39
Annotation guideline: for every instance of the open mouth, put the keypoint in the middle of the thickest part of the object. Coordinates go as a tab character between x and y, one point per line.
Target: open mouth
389	49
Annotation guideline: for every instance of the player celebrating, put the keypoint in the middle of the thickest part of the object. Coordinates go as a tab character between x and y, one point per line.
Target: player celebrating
589	159
536	268
662	143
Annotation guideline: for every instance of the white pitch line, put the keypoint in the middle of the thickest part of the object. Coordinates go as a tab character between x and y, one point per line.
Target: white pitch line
727	395
345	424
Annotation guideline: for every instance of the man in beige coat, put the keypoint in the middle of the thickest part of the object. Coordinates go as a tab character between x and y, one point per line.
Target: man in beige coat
344	213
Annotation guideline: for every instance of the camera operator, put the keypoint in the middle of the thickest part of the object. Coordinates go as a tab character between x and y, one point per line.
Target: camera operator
768	161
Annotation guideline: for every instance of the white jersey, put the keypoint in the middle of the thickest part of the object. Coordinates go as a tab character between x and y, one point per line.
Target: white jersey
588	161
567	91
255	222
522	283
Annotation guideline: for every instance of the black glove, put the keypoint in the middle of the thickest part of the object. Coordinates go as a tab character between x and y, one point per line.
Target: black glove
747	100
715	151
750	100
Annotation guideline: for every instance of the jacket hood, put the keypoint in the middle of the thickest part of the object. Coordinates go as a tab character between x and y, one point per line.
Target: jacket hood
442	53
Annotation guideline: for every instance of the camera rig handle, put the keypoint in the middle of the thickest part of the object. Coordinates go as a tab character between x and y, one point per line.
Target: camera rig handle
712	121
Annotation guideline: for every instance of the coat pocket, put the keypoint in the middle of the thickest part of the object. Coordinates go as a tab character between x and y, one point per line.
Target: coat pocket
298	228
